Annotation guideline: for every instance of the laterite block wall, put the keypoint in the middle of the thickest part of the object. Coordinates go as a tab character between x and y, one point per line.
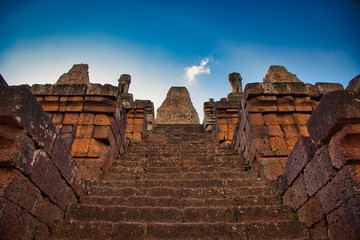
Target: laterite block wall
322	173
272	117
38	176
90	119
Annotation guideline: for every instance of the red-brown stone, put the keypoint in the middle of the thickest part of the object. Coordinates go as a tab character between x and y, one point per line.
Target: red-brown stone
344	147
318	171
334	110
301	154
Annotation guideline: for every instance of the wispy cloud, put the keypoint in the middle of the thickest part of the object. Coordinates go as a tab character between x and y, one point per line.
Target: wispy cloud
191	72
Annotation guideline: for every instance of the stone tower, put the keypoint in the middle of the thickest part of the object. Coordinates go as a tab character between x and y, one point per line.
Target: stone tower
177	108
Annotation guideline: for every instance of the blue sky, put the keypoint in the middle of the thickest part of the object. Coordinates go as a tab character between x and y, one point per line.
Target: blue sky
179	43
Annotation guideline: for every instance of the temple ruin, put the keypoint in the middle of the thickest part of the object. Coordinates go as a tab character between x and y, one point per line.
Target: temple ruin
279	159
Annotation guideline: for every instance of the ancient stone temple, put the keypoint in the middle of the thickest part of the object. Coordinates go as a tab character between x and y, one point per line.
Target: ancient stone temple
277	160
177	108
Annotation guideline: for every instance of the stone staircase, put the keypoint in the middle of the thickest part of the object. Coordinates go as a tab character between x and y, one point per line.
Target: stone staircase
179	184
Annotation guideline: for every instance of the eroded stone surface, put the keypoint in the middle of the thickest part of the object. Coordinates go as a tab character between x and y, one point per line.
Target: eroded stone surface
354	84
279	74
177	108
78	74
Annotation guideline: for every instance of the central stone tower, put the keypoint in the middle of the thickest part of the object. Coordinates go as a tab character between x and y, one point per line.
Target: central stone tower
177	108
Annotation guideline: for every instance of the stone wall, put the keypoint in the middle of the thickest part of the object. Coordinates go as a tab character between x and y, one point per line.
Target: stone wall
272	116
140	119
226	119
322	173
38	176
90	118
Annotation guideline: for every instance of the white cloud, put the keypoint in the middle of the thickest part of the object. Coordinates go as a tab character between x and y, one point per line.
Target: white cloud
191	72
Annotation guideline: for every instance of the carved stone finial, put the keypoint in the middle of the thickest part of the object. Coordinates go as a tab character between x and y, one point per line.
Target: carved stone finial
124	83
235	82
78	74
279	74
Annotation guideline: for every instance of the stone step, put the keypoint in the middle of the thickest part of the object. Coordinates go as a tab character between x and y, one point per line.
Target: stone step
180	163
196	192
172	169
283	229
183	202
143	183
115	213
186	175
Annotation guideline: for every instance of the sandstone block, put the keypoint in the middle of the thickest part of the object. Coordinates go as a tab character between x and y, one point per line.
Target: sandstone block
291	131
80	147
270	119
296	195
75	104
99	104
97	148
252	90
284	88
344	147
102	119
20	108
310	213
86	118
262	104
324	88
84	131
256	119
63	160
63	104
278	146
275	130
299	157
105	133
102	90
91	168
50	106
302	104
47	178
59	90
18	189
334	110
71	119
341	188
17	149
344	222
311	90
285	119
301	118
318	171
285	104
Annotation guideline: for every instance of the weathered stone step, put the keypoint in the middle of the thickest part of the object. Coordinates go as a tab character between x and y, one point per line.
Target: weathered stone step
184	202
170	169
180	163
284	229
116	213
143	183
186	175
195	192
